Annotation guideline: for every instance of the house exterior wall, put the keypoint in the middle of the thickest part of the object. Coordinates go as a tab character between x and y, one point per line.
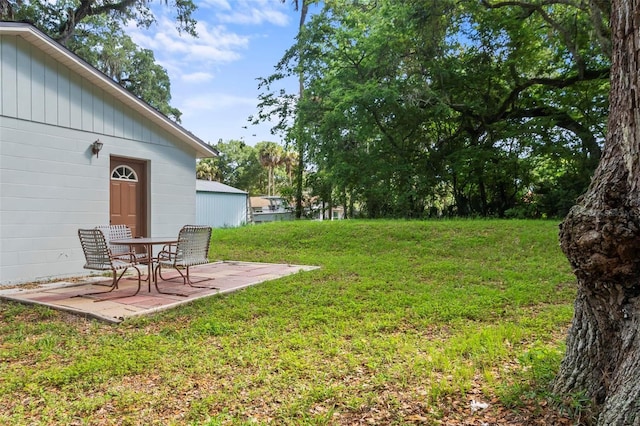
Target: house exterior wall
221	210
50	182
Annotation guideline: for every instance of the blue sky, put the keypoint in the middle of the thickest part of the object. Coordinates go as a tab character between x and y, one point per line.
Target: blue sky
214	77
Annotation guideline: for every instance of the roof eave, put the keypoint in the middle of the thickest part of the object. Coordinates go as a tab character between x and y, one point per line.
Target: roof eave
75	63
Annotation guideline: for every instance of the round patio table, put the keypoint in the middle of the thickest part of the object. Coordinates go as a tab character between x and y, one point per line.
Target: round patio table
147	243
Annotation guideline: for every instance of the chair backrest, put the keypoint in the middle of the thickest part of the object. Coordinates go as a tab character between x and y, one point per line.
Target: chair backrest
193	245
116	232
96	251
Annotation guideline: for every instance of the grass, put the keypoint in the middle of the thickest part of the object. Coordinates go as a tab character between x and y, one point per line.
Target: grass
404	323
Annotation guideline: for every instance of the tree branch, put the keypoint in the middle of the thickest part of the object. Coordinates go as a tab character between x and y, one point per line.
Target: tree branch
564	120
596	9
88	8
511	98
557	83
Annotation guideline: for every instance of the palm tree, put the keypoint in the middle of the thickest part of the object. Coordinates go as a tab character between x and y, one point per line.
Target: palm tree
270	155
207	170
290	160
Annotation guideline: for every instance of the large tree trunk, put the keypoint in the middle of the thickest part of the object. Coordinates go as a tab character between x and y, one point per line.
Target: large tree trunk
601	238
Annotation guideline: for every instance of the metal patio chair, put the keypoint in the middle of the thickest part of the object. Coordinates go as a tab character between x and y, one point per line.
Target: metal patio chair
191	249
98	257
117	232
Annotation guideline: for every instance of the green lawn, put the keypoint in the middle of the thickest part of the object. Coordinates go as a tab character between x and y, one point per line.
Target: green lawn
405	323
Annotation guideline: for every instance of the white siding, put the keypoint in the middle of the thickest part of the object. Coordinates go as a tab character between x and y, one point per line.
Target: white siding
51	184
37	91
8	83
221	210
23	81
50	93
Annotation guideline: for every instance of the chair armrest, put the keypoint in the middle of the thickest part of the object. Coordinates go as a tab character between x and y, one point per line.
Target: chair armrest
165	254
127	257
170	248
168	251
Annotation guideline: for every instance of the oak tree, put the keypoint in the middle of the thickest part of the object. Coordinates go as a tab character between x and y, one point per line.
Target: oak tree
601	238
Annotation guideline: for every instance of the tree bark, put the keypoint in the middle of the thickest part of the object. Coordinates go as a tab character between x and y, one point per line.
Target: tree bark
300	137
601	238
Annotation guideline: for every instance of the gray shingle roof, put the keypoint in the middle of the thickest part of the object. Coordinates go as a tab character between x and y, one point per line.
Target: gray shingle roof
212	186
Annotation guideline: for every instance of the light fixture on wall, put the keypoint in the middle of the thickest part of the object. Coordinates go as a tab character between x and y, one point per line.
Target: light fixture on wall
96	147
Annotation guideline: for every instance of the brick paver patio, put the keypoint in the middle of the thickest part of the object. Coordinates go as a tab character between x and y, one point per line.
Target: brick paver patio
227	276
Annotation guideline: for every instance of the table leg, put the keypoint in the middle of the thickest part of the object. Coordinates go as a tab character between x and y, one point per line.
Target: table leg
149	264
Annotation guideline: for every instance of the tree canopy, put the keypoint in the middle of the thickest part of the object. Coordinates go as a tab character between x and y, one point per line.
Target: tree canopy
423	108
263	169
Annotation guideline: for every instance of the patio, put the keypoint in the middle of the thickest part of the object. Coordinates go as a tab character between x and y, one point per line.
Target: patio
226	276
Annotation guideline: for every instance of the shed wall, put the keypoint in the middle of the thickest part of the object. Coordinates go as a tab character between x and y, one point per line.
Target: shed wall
221	210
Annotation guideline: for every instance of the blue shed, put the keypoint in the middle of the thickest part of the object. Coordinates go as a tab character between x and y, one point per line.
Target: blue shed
221	206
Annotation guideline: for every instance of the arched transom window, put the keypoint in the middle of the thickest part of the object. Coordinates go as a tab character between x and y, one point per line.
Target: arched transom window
124	173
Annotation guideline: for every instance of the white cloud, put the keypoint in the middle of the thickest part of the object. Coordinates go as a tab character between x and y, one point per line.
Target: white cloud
216	102
197	77
221	38
213	44
213	75
256	16
221	4
252	12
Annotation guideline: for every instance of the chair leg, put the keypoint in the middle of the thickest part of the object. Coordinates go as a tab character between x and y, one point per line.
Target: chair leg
157	273
114	286
187	280
139	280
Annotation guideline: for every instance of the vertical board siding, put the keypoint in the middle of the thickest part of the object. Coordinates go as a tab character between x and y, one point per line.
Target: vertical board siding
23	80
87	110
36	87
1	75
108	116
63	97
37	91
118	122
127	122
9	75
98	110
221	210
50	92
75	102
